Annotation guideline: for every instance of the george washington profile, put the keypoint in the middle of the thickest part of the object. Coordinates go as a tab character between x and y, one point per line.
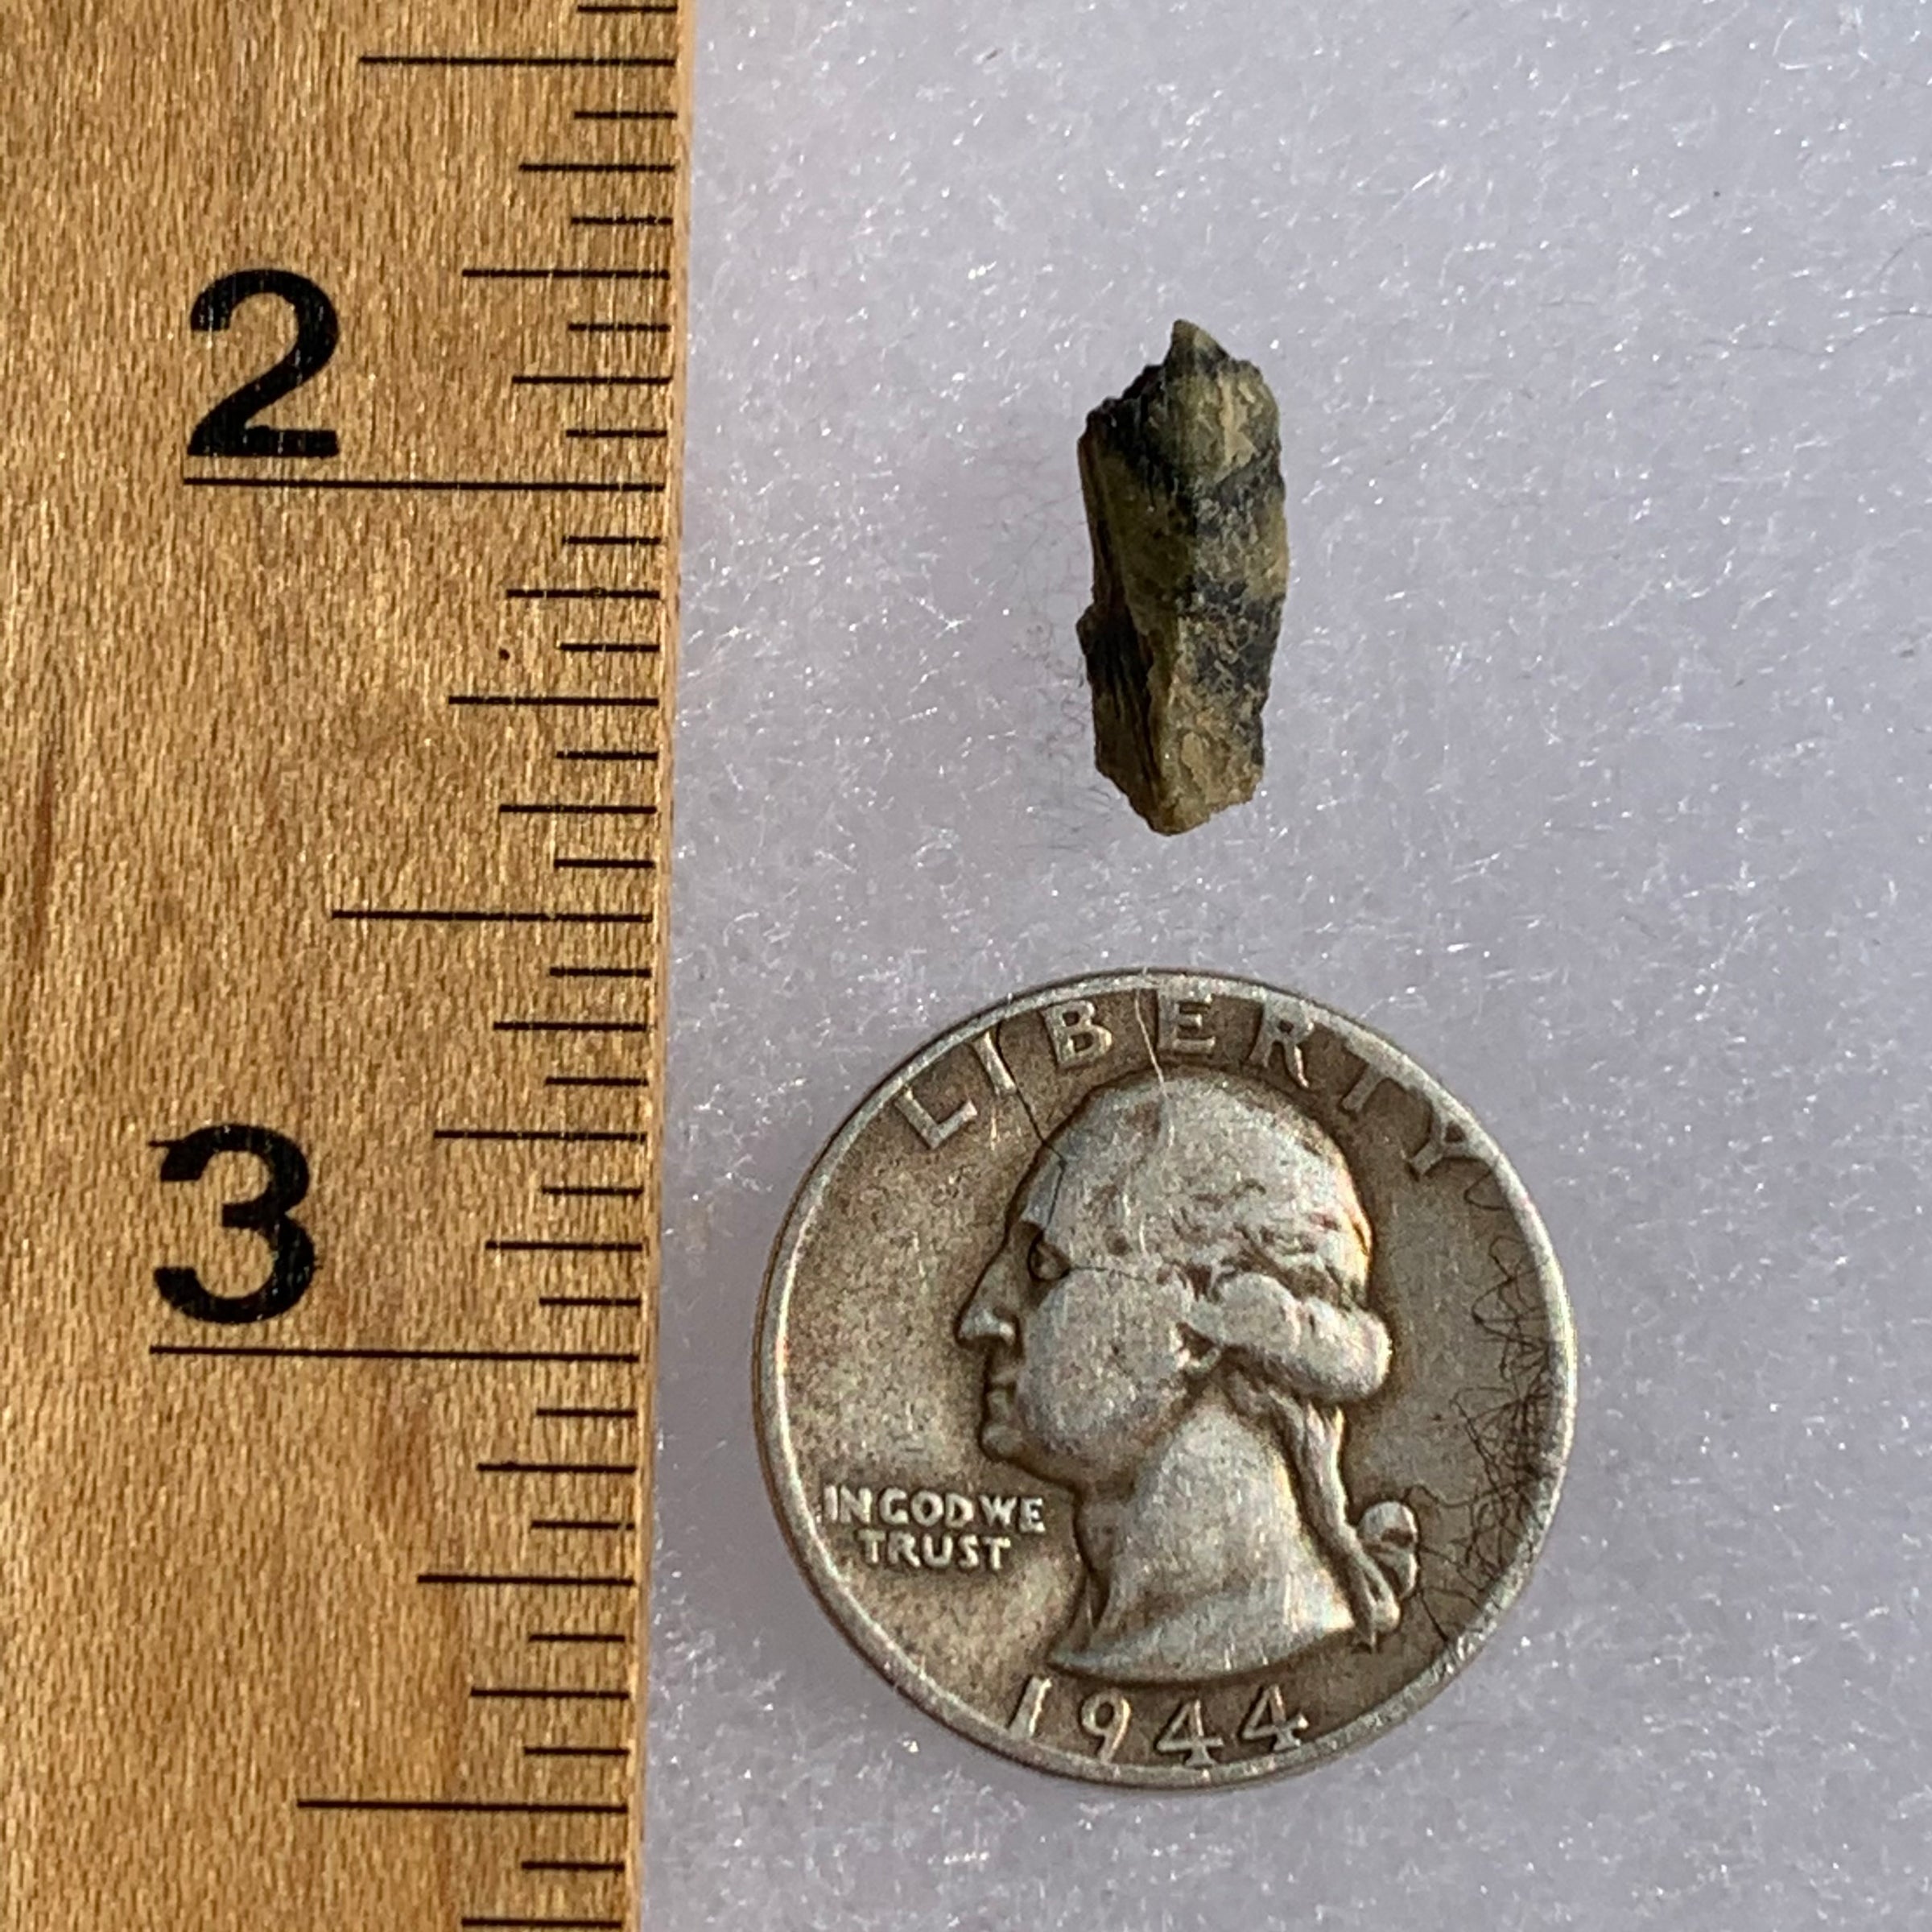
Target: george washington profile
1173	1326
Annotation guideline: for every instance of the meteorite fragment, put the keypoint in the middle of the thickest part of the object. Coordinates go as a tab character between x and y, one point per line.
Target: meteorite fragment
1182	481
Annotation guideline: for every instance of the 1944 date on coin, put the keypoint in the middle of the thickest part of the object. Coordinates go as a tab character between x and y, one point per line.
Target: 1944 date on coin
1164	1381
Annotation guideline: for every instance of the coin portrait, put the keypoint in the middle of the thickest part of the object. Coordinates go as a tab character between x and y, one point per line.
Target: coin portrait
1164	1381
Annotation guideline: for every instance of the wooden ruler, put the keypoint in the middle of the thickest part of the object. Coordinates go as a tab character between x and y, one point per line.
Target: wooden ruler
340	344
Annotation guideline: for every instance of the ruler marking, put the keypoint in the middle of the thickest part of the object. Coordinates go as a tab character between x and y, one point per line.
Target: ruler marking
515	1468
583	593
590	1301
581	1414
524	1247
290	1352
525	486
617	1026
519	62
480	1806
567	272
568	808
545	1694
603	167
512	1580
550	701
428	915
528	1925
609	1526
567	1136
575	808
577	1636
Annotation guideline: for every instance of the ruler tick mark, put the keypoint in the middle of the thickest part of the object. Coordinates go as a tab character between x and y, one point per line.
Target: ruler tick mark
459	916
601	168
554	701
541	379
499	1807
514	1468
581	593
264	1352
566	272
510	1581
543	1693
570	1026
518	61
545	1925
524	486
568	808
523	1247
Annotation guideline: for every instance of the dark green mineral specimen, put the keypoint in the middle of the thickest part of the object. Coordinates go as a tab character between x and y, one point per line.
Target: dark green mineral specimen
1182	481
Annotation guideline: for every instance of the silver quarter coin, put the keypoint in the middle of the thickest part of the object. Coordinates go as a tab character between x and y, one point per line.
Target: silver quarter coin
1164	1381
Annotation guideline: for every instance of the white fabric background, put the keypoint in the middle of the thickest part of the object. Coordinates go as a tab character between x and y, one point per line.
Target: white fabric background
1598	763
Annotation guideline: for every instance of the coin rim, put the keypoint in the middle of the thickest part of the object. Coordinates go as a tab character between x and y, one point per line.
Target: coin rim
790	1501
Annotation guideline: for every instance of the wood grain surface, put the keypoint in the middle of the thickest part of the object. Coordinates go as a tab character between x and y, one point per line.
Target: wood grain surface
335	790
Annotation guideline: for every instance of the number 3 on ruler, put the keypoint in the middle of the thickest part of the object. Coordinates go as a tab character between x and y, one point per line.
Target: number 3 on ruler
229	429
187	1159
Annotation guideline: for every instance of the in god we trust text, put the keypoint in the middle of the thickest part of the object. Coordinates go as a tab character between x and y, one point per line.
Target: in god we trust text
905	1529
